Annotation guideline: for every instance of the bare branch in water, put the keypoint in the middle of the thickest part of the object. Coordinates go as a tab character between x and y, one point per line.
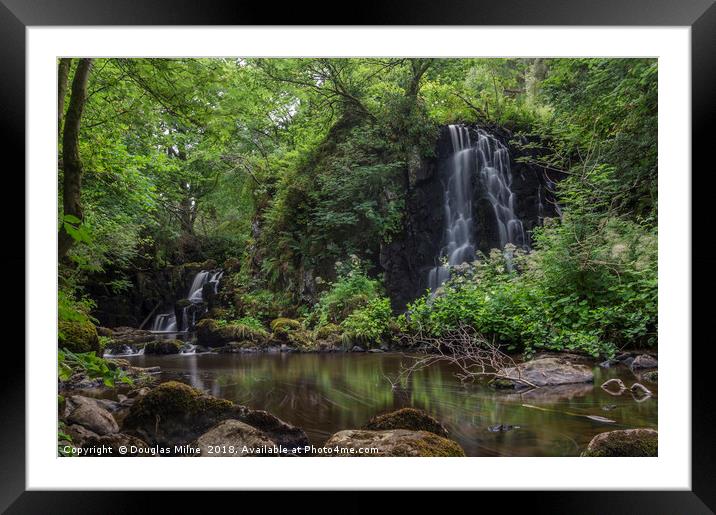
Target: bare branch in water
473	355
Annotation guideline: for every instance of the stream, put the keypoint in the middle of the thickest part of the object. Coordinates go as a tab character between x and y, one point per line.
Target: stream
326	393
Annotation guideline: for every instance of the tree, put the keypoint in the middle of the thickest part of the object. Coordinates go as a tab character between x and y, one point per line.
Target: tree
71	161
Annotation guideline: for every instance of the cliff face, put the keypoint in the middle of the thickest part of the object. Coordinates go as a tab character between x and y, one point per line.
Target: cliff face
406	261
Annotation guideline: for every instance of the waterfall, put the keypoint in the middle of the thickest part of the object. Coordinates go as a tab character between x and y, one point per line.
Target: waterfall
485	163
167	322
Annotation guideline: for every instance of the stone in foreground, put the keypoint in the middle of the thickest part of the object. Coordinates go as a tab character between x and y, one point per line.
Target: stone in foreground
407	418
624	442
546	372
175	413
233	438
394	442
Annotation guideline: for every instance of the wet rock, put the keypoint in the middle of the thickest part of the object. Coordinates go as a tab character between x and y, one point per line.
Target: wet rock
164	347
626	442
93	417
394	442
376	351
119	444
357	348
547	372
644	361
407	418
233	438
175	413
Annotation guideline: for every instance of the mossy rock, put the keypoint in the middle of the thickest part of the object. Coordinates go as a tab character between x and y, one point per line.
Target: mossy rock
624	442
182	303
284	325
652	376
163	347
175	413
302	340
330	332
211	334
78	336
407	418
502	384
394	443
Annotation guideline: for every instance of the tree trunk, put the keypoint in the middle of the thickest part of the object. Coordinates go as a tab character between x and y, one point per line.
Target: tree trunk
71	163
63	72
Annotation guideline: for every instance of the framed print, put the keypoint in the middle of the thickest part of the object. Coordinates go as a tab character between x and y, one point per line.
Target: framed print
456	240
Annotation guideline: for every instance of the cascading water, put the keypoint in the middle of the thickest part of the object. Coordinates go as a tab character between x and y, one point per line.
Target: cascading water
486	161
167	322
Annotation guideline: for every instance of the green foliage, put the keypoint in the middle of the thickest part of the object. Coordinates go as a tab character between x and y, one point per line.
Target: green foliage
371	323
585	288
69	363
352	290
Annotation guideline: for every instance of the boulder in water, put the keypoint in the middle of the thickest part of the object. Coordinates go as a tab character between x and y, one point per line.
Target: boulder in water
233	438
164	347
393	442
624	442
175	413
407	418
545	372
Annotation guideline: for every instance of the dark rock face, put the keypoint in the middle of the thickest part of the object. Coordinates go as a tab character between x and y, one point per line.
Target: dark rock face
407	260
628	442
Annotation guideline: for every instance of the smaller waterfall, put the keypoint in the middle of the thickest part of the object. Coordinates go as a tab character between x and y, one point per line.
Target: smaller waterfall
167	322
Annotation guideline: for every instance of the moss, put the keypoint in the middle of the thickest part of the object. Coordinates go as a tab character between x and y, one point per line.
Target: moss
652	376
435	446
182	303
629	442
283	326
163	347
174	410
302	340
502	384
329	332
210	333
406	418
78	336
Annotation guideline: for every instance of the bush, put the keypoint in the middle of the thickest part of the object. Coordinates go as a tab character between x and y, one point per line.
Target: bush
371	324
351	291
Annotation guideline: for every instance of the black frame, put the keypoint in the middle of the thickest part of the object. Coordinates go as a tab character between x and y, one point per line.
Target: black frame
700	15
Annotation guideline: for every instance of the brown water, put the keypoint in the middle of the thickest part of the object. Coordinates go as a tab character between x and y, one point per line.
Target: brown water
325	393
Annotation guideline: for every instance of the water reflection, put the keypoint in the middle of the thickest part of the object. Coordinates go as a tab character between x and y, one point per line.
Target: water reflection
324	393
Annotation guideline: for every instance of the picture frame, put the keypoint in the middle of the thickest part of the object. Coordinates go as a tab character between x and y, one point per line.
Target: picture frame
17	15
